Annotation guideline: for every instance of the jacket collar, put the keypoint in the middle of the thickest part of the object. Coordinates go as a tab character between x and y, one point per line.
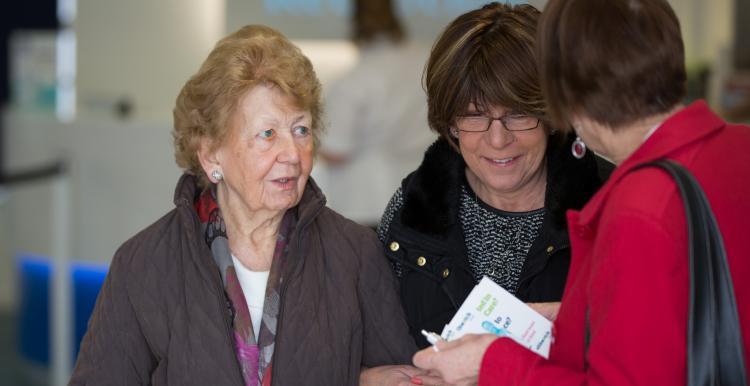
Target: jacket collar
187	191
431	193
688	125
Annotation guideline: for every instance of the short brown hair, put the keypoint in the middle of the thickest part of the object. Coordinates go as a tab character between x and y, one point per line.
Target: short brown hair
616	60
251	56
486	57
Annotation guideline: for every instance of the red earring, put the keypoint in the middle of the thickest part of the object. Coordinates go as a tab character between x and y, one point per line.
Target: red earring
578	148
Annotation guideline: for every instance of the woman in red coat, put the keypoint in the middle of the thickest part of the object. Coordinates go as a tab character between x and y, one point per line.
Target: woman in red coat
614	71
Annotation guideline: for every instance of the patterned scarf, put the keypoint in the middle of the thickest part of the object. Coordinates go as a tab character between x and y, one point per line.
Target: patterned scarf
253	356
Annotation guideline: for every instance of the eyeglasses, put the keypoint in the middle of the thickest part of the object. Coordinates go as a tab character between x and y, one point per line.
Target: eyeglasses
511	122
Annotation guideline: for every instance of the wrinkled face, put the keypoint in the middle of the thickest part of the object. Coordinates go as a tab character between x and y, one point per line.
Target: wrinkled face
268	155
502	162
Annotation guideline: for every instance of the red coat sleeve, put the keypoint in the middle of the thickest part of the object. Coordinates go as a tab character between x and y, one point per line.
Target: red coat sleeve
636	297
507	363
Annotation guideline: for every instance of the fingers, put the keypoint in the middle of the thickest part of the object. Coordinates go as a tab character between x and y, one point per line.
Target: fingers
410	371
431	380
424	358
393	375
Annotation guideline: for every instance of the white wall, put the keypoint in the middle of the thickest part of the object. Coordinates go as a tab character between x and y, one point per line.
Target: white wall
145	50
122	178
123	172
707	30
707	27
25	211
142	49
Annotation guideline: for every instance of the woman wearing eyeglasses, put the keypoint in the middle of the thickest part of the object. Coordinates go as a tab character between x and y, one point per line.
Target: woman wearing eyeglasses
490	196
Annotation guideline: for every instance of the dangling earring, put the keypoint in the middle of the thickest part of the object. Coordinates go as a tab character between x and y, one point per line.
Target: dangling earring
578	148
216	174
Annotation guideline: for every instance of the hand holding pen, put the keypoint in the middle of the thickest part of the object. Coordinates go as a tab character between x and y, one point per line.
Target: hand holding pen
488	326
433	338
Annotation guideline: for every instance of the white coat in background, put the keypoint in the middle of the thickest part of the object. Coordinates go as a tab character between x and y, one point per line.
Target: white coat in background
377	120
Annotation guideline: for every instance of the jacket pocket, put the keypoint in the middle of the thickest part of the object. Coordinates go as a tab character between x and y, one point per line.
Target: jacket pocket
432	285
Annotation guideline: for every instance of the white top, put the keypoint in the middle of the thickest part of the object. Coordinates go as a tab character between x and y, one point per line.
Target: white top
377	116
253	285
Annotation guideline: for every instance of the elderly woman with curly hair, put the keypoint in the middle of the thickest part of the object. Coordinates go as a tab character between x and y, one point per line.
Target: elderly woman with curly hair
250	279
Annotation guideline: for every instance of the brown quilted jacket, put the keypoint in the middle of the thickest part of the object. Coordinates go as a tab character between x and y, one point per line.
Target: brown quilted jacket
162	319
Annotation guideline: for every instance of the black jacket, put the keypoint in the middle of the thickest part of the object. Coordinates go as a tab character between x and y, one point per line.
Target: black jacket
426	237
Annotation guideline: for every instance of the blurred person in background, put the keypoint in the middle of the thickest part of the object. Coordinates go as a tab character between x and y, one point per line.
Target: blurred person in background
250	280
615	71
490	196
377	114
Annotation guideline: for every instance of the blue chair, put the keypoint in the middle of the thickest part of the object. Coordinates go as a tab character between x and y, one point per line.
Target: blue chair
35	278
33	308
87	281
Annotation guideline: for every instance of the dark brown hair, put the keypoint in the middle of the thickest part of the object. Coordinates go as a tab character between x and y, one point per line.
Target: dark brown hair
485	57
617	61
251	56
373	18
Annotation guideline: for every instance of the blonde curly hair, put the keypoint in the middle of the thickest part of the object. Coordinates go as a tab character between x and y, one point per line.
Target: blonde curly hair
253	55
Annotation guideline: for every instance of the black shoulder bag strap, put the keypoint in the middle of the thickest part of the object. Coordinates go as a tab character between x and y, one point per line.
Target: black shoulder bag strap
715	354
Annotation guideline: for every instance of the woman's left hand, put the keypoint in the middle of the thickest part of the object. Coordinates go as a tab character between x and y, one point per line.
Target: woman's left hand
397	375
548	310
458	361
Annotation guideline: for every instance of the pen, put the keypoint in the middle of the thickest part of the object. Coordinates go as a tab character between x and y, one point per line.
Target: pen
432	338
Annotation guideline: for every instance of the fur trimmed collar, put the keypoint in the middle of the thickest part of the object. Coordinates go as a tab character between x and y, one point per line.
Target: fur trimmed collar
431	193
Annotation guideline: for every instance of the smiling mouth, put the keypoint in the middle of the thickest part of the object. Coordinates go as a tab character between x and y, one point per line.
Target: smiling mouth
502	161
